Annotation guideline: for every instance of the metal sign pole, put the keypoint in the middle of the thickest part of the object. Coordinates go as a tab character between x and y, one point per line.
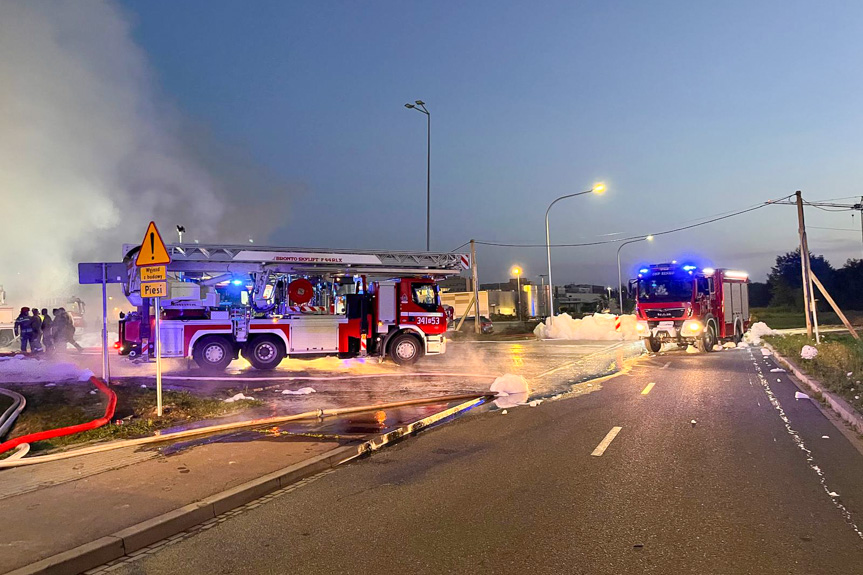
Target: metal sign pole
158	358
106	376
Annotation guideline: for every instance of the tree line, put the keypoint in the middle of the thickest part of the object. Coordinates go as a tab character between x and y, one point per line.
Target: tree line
784	285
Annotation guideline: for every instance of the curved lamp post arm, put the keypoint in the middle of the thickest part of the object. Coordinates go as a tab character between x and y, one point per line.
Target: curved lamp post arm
548	249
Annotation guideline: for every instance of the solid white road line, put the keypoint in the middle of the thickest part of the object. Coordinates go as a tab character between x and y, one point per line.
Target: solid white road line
648	388
603	445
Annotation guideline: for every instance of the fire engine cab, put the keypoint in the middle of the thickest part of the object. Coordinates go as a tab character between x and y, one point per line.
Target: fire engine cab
268	303
685	304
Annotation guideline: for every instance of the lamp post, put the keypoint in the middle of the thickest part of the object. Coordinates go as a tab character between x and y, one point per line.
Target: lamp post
544	296
597	189
420	106
517	271
619	276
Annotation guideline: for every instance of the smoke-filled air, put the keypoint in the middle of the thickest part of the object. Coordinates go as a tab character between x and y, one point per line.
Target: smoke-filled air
90	150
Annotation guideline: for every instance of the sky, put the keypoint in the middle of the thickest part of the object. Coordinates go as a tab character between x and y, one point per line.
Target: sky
294	113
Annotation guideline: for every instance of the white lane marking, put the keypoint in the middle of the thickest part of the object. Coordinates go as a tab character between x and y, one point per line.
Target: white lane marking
666	365
603	445
648	388
581	359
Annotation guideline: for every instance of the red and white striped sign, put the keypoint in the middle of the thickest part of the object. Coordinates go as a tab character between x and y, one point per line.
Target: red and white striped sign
617	323
307	309
465	261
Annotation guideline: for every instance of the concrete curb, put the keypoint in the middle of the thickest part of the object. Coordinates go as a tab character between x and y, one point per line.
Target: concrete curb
131	539
146	533
841	407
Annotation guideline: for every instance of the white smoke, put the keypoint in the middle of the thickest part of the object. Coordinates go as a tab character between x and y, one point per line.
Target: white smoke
89	149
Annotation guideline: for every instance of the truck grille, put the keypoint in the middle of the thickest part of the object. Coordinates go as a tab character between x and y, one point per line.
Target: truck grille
665	313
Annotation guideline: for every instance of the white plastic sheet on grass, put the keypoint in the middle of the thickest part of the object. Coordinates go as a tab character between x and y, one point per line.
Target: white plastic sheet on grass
19	369
599	326
301	391
238	397
512	390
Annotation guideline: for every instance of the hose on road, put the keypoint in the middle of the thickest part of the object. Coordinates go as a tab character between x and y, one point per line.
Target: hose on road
61	431
316	414
11	414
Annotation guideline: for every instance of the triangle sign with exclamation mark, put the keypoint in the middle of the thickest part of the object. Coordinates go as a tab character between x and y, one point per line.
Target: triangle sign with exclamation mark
153	251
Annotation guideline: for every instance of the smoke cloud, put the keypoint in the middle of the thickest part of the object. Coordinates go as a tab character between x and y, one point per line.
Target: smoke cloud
90	151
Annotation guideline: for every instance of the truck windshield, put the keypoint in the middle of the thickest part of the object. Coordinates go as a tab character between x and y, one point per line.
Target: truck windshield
425	295
664	289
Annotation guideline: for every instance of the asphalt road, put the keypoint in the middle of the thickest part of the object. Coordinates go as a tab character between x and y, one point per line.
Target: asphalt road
746	489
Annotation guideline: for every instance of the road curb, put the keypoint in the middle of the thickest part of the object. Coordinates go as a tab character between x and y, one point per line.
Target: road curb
146	533
839	406
137	537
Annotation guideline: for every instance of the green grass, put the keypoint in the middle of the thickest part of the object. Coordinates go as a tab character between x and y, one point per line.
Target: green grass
838	355
64	405
784	318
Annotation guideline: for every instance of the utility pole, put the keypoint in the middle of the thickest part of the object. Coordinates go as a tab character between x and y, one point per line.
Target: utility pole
475	277
804	263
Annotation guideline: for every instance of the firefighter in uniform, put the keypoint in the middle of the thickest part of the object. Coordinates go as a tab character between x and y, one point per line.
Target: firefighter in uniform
24	329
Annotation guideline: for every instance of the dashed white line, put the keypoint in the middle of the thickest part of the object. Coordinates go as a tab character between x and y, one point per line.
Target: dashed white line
603	445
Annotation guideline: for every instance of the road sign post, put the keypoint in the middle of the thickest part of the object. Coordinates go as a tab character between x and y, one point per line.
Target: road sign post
151	261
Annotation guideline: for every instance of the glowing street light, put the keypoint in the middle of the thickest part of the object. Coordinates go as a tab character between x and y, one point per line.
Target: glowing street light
420	107
648	238
598	189
517	272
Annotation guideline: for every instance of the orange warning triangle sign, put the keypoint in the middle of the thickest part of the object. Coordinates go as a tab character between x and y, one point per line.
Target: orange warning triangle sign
153	251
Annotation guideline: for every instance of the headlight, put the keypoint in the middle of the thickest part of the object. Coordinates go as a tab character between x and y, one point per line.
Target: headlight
641	327
692	327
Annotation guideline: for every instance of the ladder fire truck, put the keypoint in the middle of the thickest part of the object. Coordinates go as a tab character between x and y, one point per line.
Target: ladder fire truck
685	304
268	303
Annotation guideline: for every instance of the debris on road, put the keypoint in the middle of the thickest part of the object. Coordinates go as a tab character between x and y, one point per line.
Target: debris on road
808	352
800	395
777	370
238	397
693	422
511	389
833	494
504	412
691	349
766	352
729	345
825	437
301	391
718	347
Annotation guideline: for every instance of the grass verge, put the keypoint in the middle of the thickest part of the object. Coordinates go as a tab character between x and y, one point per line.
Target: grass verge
838	355
72	403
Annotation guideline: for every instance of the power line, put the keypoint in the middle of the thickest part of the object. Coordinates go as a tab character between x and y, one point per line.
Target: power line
618	240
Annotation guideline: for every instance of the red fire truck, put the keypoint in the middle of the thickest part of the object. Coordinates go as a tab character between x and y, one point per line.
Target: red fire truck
268	303
685	304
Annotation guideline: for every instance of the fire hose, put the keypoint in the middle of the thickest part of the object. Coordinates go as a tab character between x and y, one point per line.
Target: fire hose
316	414
61	431
11	414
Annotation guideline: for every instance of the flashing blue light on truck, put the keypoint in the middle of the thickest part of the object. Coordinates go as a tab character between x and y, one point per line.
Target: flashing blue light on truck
689	268
643	270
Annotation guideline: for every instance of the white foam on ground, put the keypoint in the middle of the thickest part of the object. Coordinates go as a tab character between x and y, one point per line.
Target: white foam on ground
756	331
808	352
238	397
599	326
691	349
301	391
19	369
512	390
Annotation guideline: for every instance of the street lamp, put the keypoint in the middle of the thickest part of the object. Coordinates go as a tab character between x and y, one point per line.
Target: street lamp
619	276
420	106
598	189
517	271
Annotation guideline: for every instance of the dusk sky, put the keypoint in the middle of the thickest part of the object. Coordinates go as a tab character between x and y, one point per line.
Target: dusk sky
684	109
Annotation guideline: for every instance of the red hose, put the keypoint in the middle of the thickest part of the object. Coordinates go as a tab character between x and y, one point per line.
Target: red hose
61	431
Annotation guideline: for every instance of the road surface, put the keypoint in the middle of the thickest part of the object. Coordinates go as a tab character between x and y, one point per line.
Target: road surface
714	468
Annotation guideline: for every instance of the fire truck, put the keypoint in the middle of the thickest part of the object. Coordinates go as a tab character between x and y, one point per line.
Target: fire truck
685	304
268	303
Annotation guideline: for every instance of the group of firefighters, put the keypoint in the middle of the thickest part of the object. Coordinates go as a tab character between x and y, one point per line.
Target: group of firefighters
42	333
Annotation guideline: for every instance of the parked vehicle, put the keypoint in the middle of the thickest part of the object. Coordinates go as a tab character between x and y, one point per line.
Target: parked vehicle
269	303
685	304
485	324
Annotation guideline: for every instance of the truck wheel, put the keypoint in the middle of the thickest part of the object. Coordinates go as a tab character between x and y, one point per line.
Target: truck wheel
707	339
652	345
213	353
265	352
405	349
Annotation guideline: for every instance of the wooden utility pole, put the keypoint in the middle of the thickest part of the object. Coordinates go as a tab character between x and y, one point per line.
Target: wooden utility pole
804	263
475	277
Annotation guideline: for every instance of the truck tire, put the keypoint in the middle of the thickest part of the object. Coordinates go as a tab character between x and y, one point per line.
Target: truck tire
405	349
213	353
264	352
707	340
652	345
